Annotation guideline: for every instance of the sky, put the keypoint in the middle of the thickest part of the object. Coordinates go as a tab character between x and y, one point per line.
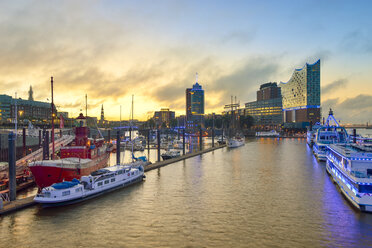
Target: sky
111	50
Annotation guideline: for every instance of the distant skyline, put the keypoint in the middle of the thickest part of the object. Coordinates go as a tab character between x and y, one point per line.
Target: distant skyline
152	49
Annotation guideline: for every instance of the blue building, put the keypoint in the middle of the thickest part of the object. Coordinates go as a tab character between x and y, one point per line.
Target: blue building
195	105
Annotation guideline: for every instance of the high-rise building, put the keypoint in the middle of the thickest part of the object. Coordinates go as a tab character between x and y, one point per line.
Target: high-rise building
268	91
197	99
301	96
267	110
195	105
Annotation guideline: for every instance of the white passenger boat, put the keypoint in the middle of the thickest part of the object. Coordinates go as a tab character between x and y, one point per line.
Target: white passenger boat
311	134
271	133
171	154
330	133
350	166
235	142
98	183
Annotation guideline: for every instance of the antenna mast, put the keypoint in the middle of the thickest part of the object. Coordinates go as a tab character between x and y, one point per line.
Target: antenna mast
53	149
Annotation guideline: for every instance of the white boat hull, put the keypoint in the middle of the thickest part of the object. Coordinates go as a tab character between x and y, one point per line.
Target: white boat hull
362	201
233	143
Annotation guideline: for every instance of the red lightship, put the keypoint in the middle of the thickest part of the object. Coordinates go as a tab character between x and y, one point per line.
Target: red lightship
84	156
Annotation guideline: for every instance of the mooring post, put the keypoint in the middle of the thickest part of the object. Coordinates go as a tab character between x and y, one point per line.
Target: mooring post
24	142
109	135
118	147
148	140
213	137
12	166
43	145
354	134
200	139
213	131
158	134
183	141
47	145
39	138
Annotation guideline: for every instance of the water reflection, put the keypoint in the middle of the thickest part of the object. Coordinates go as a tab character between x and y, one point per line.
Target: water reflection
269	193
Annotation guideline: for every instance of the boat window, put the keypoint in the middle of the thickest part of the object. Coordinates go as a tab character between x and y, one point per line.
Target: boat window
107	181
132	173
99	184
365	188
78	190
120	172
47	194
112	180
64	193
369	172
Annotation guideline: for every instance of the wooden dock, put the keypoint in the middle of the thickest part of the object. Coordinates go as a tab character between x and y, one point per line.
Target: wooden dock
28	201
17	205
183	157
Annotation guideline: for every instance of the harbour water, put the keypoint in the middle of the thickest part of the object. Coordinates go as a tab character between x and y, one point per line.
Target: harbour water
268	193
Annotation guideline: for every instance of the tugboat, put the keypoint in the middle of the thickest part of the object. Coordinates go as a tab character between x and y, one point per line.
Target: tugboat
84	156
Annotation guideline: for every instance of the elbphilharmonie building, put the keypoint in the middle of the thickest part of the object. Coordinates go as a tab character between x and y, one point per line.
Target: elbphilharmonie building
301	96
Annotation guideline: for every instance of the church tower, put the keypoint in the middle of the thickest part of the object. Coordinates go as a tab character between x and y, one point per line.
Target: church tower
102	114
30	94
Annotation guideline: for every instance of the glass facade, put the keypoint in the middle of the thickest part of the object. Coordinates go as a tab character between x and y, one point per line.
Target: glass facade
197	103
303	89
265	112
301	95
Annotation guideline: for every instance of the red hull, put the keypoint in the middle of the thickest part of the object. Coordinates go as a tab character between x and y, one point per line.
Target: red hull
47	175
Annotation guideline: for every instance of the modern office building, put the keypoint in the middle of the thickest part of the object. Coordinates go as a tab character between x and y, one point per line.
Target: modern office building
267	110
301	97
266	113
268	91
164	116
197	103
194	105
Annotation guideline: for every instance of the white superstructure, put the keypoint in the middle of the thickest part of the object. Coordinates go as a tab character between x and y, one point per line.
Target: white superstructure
235	142
350	166
98	183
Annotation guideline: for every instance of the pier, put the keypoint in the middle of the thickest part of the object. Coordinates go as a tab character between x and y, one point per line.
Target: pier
20	204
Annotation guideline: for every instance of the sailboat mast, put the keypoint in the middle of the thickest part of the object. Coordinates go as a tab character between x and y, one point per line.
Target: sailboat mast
86	105
132	107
